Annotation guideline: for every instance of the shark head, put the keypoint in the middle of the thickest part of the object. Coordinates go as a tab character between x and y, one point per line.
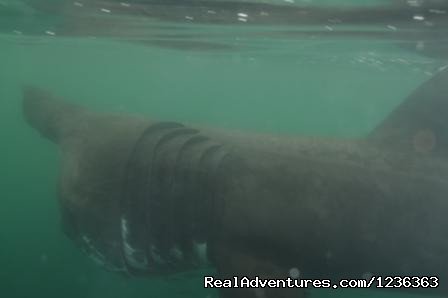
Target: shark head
109	167
91	221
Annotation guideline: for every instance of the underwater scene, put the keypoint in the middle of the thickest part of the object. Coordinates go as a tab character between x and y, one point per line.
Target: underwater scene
224	148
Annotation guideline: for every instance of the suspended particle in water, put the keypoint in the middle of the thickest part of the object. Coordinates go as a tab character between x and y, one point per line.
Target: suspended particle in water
414	3
393	28
443	68
367	275
420	46
437	11
418	17
294	273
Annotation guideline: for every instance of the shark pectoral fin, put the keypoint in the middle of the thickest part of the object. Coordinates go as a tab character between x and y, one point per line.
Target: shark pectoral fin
231	262
420	123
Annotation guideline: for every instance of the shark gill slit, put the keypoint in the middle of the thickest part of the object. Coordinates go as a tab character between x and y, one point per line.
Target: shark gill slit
170	187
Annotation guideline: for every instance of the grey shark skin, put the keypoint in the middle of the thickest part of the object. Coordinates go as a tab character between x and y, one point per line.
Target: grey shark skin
144	197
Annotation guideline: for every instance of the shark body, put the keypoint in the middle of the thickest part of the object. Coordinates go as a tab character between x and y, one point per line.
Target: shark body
145	197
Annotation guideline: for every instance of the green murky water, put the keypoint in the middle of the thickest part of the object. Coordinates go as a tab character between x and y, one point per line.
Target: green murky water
239	76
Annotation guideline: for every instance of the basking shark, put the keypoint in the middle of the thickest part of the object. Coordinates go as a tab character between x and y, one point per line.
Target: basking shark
148	197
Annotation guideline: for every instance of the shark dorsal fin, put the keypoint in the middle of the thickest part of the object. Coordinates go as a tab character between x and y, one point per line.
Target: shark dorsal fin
420	123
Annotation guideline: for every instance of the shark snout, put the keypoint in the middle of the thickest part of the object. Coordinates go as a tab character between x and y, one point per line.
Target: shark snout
49	115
